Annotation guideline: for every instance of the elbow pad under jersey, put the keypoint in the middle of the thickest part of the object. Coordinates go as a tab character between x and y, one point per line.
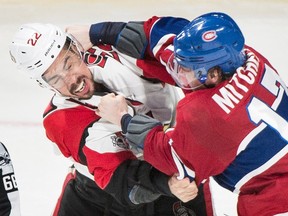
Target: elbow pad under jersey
132	40
138	127
129	38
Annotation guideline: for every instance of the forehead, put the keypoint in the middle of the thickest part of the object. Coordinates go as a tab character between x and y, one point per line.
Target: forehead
57	61
64	57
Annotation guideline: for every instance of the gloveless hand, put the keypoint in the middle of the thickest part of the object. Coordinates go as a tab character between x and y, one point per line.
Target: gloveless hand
112	107
183	189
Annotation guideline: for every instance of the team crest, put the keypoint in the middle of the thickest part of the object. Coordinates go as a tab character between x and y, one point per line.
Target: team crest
180	210
119	140
99	56
4	159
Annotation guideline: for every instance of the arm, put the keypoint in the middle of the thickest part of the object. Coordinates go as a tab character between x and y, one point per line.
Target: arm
145	132
150	42
132	38
146	184
135	182
138	130
128	38
114	109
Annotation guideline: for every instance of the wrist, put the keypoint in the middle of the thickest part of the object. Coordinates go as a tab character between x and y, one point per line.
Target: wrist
95	33
125	120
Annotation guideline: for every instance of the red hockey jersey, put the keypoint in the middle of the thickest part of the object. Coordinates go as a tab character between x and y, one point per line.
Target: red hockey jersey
235	132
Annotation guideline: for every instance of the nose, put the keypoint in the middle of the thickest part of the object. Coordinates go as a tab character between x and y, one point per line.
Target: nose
71	77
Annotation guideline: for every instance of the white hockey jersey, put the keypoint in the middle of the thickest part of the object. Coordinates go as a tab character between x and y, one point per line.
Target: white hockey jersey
82	135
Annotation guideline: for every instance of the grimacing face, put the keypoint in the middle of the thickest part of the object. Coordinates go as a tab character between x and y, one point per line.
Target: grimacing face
69	75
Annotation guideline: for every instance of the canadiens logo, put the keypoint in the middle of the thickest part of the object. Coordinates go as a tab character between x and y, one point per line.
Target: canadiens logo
209	36
119	140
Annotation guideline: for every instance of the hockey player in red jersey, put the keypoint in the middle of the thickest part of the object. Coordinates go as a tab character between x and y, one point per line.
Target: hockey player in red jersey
9	194
124	183
231	126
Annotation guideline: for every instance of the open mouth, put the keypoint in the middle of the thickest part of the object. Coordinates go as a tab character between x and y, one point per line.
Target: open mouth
81	87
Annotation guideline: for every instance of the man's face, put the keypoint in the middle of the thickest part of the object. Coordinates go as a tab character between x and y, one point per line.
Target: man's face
69	75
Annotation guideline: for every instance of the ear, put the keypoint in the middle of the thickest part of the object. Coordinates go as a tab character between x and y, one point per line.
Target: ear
215	75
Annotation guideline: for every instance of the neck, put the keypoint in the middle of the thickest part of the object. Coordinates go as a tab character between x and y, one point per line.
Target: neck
100	89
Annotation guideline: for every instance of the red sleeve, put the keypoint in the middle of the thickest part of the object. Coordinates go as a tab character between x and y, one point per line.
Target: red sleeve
157	151
154	69
149	24
160	33
65	127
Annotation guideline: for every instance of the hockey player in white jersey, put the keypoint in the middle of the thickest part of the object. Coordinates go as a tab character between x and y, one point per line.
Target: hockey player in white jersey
98	148
9	195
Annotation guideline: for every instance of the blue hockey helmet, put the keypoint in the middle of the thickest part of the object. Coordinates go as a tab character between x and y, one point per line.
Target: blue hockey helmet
210	40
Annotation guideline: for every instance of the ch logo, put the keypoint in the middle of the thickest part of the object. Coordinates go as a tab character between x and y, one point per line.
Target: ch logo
209	36
32	41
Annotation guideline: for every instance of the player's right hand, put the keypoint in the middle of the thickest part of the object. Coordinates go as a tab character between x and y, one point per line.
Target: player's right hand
112	107
81	34
183	189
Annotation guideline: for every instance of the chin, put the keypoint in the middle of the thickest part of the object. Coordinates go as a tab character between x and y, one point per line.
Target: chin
83	97
88	95
209	86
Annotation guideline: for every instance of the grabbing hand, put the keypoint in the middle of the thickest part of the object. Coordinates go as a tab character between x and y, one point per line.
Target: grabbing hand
112	107
183	189
81	34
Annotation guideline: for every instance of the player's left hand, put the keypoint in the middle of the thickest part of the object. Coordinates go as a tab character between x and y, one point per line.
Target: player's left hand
183	189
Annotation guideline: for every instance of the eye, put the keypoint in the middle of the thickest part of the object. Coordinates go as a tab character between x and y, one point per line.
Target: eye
69	65
54	80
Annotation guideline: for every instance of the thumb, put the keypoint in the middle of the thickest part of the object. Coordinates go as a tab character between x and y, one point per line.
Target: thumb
97	111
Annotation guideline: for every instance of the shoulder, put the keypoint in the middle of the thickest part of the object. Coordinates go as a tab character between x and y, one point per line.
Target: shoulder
58	103
194	98
63	113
